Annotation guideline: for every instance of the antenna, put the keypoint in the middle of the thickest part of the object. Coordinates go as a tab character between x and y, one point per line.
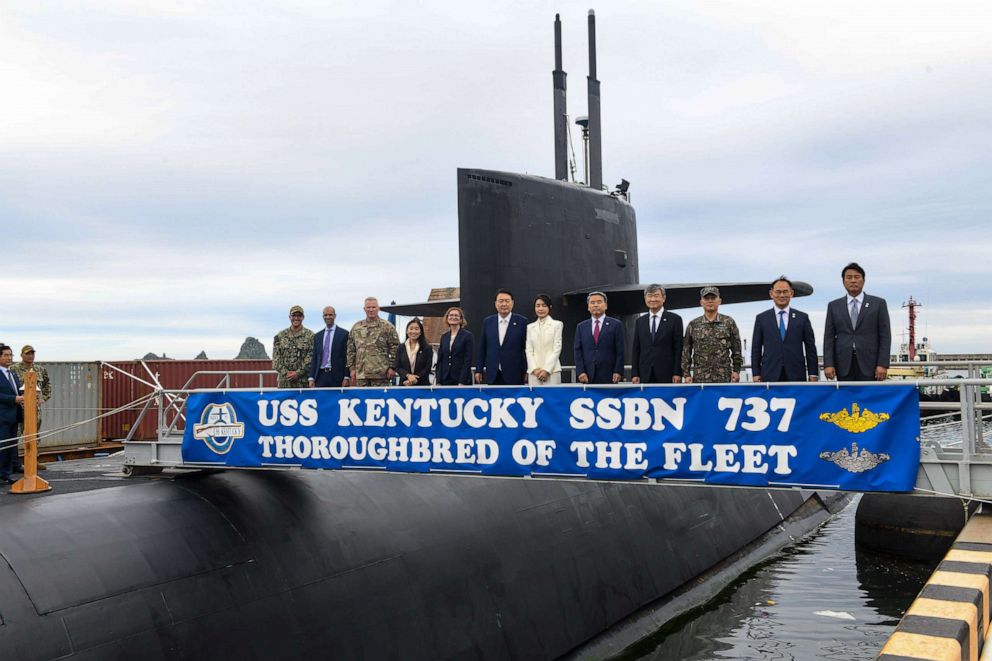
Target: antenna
571	150
583	123
561	116
912	305
595	179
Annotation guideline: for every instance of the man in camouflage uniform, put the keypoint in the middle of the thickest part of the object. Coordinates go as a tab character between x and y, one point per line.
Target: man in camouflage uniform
372	346
27	364
711	351
292	350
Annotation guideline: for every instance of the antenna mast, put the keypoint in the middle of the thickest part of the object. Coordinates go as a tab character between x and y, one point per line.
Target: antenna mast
561	116
595	179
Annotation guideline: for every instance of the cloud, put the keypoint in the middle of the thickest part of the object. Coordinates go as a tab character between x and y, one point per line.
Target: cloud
174	175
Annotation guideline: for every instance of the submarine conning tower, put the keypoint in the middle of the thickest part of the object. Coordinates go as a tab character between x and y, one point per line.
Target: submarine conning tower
532	235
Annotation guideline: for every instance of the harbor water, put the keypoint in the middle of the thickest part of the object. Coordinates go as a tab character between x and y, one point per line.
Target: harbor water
819	598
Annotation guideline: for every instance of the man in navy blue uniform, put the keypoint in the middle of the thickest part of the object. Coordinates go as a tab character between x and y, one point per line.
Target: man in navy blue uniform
783	347
11	412
599	343
502	358
329	363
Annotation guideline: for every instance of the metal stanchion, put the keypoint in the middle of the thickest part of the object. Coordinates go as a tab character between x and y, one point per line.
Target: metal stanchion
30	483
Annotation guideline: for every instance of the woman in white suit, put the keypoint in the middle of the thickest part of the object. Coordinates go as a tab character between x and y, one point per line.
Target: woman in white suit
543	345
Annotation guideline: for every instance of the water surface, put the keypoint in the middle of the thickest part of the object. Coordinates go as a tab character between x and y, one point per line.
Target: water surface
817	599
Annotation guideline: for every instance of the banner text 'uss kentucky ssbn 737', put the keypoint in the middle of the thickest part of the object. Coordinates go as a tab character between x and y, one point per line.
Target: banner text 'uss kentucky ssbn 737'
856	438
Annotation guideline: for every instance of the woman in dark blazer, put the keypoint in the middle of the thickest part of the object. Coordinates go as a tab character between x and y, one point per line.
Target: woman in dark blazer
454	353
414	357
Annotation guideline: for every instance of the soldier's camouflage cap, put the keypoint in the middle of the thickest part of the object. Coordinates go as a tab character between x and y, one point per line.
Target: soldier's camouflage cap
27	349
295	309
706	291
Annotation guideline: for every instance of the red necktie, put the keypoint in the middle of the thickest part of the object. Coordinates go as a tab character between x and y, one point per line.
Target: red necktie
595	333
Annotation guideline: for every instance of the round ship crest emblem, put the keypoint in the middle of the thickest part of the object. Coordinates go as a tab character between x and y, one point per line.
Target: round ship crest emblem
219	427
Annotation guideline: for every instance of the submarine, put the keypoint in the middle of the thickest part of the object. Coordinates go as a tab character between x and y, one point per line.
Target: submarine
271	565
533	234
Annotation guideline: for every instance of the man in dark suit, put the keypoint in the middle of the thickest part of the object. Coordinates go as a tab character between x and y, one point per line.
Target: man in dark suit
11	413
657	349
857	337
502	345
783	347
599	343
329	362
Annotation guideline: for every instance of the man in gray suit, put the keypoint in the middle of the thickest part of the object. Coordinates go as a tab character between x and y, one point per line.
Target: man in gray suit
857	337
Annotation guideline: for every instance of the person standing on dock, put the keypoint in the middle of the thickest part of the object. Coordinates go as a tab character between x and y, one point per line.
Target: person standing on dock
27	364
291	351
599	344
657	350
329	362
711	349
11	413
503	345
372	345
783	347
858	336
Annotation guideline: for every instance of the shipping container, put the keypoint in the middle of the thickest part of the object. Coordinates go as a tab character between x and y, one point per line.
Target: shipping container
73	408
119	390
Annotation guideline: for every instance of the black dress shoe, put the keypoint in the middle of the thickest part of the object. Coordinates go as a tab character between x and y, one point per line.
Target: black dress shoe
9	480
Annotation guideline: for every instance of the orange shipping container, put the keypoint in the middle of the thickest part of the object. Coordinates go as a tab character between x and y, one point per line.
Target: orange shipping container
119	390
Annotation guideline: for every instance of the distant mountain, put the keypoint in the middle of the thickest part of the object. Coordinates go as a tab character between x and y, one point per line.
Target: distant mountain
201	356
152	356
252	349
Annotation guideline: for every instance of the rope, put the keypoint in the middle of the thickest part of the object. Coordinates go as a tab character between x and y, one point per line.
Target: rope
965	500
13	442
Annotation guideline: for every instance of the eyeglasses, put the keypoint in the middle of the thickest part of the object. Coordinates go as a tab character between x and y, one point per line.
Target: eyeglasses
781	292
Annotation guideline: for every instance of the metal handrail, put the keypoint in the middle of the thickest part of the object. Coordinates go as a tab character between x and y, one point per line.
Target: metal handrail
177	397
763	384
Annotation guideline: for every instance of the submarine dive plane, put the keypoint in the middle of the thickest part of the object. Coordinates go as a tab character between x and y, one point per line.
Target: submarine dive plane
273	565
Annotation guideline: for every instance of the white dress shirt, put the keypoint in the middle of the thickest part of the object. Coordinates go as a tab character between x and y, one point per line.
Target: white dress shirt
787	309
502	324
654	320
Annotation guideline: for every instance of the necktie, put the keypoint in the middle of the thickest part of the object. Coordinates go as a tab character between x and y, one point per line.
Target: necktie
781	323
595	333
854	313
13	384
327	348
502	330
654	325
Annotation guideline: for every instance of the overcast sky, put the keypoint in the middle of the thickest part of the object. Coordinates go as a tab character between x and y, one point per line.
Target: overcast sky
175	175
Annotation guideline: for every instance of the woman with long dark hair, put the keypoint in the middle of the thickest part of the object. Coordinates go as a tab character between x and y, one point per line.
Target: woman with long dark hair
414	356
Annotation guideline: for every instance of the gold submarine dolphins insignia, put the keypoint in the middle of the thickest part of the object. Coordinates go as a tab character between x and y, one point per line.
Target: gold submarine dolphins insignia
857	421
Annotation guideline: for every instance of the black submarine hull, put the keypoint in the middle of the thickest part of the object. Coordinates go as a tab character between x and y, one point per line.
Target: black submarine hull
283	565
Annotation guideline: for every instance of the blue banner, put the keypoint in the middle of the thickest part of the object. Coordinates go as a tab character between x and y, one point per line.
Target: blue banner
856	438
